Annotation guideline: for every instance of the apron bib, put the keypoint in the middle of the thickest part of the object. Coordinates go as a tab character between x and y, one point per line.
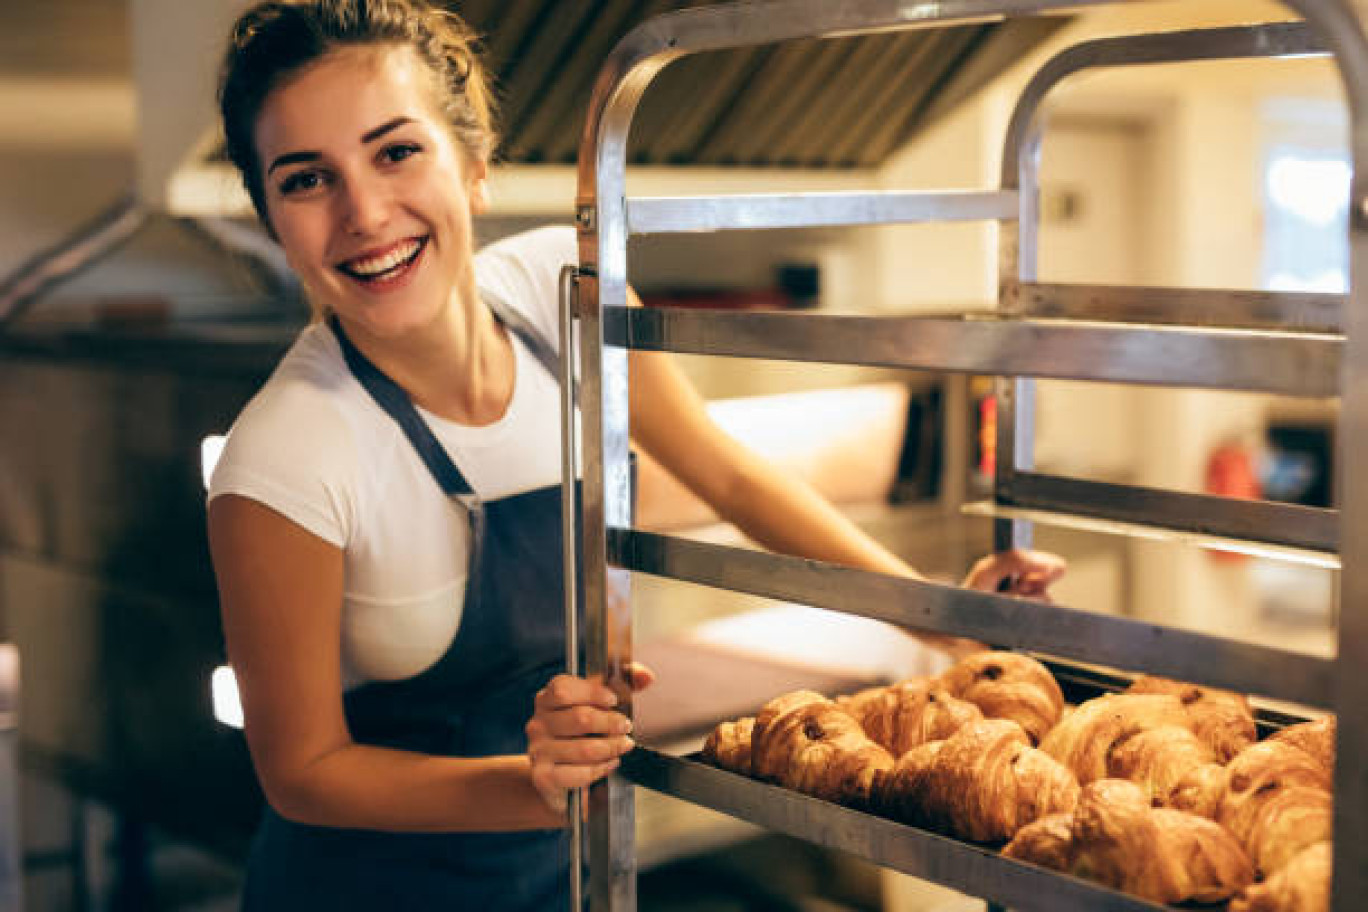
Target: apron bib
473	702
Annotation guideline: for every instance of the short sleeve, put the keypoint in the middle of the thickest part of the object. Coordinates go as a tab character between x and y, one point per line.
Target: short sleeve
524	269
291	450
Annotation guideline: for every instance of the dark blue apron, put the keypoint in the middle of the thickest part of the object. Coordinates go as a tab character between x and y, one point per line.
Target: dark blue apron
473	702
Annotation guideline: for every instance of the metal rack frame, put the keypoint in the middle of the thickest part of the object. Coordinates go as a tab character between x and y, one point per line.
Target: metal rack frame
1307	345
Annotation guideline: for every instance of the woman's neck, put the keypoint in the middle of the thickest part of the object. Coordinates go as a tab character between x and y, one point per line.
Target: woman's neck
459	367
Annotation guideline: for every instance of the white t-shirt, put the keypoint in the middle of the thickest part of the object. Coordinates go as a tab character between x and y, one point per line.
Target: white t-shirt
313	446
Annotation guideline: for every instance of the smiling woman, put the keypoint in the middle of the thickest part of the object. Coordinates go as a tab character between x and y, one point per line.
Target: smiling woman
385	516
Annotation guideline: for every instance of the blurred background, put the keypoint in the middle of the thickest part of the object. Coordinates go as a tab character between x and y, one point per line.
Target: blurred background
140	307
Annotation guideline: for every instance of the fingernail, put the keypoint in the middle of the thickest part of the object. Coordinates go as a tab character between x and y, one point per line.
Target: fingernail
625	725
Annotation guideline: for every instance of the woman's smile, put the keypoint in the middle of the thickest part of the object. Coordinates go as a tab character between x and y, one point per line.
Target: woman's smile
386	268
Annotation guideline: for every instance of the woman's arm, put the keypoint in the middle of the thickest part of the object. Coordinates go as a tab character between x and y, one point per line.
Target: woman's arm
280	589
777	510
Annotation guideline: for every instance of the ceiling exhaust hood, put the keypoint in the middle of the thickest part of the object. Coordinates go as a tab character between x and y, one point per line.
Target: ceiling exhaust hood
809	115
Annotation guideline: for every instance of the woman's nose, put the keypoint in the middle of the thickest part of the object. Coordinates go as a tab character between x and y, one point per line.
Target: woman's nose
365	206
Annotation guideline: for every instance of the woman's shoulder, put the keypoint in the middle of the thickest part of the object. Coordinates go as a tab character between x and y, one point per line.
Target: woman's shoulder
294	446
523	270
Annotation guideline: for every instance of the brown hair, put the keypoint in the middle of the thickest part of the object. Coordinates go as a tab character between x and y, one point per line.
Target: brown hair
276	39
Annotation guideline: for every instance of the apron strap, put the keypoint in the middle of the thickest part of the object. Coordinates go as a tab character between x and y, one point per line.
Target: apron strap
391	397
397	404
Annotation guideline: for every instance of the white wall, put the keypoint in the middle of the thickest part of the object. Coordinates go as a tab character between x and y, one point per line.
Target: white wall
1179	147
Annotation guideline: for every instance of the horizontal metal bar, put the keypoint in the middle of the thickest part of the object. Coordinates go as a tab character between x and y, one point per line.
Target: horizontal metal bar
1101	639
971	869
1287	311
1326	560
1301	364
659	215
1290	525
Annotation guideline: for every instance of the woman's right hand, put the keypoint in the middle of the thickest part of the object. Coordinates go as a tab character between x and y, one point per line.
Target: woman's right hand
576	736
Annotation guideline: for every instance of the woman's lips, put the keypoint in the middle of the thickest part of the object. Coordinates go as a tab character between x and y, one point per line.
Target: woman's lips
387	268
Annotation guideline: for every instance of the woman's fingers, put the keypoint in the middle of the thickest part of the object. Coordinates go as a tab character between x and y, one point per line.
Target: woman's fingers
575	736
639	676
564	691
1019	572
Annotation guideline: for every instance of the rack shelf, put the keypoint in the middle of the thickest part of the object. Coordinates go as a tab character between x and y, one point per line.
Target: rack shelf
1104	639
963	866
1292	344
1300	364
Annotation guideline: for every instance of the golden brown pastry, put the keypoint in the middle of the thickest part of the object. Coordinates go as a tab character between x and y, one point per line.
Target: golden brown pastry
1276	803
729	745
1302	885
1158	759
1317	738
805	742
904	715
1085	739
1199	791
1115	838
1007	685
983	783
1223	720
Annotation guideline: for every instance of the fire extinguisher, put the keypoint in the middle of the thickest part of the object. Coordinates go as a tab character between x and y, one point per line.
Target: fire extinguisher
1230	472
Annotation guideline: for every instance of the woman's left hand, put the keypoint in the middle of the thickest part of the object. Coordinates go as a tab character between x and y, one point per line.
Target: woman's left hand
576	736
1019	572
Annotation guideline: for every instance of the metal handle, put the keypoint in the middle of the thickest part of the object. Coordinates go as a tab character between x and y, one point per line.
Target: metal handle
569	473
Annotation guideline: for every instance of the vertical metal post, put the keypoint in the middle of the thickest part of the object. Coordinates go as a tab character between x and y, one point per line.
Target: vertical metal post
570	550
607	502
1018	262
1343	31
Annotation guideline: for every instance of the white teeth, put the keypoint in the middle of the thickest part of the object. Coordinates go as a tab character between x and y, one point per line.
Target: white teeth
384	263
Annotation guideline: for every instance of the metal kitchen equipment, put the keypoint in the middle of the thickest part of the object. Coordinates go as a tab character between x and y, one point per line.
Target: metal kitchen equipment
1294	344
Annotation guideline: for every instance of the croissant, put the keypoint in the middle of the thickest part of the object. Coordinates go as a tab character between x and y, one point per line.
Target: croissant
1007	685
1277	802
1317	738
805	742
904	715
1084	740
1159	759
983	783
1223	720
1116	838
729	745
1302	885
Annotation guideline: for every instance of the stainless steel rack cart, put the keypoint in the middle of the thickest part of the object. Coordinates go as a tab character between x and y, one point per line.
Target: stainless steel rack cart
1296	344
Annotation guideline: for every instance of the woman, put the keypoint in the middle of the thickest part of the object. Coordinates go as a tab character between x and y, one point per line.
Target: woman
385	517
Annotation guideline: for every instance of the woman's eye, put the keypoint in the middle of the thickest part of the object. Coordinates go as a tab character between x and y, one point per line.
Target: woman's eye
301	182
400	151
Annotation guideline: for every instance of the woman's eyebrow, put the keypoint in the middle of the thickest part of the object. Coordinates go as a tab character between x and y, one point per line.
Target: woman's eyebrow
293	158
387	126
370	136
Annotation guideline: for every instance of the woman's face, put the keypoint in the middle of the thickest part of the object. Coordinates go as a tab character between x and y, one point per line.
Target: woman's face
367	190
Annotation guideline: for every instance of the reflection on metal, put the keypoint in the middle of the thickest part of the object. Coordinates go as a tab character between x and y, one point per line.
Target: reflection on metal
1022	343
961	866
1301	529
1063	520
721	213
87	247
1303	364
1311	312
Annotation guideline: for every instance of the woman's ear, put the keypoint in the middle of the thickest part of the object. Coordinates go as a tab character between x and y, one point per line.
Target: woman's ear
479	187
